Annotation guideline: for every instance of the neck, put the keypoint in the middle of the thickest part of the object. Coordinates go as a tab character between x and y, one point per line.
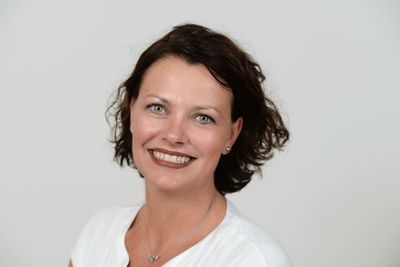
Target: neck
168	215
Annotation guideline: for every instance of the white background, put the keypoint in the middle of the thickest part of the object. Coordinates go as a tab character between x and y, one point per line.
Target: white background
332	198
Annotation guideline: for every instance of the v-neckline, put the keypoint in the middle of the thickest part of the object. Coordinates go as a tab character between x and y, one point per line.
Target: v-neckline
132	218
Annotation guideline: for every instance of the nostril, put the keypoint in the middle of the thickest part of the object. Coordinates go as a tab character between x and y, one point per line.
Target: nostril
175	133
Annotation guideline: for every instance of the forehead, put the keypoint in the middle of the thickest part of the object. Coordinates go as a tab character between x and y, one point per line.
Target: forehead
175	77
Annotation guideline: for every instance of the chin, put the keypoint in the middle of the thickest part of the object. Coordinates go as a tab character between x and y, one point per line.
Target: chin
166	182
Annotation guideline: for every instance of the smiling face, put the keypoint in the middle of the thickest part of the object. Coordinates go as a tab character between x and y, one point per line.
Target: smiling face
181	124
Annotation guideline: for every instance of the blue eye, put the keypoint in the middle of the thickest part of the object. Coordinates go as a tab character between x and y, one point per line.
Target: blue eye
204	119
156	108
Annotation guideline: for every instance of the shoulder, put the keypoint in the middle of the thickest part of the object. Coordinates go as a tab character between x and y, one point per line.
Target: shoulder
252	244
109	216
103	228
104	221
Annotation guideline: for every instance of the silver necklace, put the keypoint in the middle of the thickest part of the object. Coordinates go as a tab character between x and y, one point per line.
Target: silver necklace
154	257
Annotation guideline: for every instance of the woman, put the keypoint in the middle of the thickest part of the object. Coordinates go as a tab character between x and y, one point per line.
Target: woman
194	121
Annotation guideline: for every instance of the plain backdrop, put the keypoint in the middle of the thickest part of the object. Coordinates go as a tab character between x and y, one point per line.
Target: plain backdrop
332	197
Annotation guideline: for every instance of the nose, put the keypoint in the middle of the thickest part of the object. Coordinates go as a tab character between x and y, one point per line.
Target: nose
175	130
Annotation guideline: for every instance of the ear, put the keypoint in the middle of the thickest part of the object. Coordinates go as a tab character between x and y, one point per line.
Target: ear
235	131
131	106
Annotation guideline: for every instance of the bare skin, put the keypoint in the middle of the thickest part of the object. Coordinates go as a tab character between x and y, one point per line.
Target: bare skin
135	237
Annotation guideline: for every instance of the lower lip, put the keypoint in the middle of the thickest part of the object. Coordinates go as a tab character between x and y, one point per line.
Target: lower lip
168	163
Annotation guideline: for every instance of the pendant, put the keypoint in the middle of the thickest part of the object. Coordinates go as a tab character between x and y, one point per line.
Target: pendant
152	258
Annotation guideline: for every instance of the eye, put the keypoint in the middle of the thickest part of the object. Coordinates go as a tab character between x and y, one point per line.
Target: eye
204	119
156	108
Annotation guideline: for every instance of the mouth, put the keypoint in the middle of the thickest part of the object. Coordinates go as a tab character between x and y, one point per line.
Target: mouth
170	159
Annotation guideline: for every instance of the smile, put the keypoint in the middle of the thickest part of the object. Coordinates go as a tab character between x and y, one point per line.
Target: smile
170	158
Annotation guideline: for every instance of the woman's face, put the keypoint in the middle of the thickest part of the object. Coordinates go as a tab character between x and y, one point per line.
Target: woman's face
181	124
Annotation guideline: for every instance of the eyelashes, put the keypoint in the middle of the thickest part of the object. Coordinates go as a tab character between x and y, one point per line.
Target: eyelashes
157	108
160	109
204	119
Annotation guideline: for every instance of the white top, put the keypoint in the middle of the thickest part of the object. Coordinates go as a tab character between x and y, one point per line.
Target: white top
234	242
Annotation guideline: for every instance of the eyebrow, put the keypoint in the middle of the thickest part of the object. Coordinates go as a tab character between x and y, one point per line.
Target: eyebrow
206	107
199	107
162	99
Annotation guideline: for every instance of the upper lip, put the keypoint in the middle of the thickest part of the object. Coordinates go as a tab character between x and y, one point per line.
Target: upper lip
176	153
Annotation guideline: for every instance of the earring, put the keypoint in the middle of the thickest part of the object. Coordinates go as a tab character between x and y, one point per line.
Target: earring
228	148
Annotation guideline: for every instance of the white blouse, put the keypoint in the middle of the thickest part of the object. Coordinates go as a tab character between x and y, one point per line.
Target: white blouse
234	242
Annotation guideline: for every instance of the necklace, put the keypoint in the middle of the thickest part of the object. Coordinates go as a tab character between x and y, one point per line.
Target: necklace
154	257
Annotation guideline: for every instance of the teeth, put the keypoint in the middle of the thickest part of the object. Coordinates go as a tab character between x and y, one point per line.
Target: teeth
170	158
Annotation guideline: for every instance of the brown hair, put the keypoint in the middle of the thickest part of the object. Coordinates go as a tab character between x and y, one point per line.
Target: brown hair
263	129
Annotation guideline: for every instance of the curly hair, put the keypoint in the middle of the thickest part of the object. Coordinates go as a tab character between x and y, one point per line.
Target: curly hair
263	129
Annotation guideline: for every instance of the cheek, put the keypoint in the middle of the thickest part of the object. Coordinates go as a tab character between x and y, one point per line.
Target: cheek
209	143
143	130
